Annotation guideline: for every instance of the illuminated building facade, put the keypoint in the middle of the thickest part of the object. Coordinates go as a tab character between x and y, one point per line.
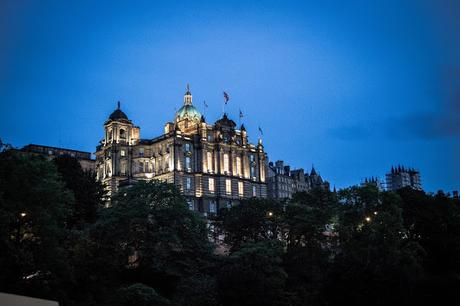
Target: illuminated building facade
400	177
214	165
284	182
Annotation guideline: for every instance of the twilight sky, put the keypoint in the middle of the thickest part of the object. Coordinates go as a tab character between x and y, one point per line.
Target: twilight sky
352	87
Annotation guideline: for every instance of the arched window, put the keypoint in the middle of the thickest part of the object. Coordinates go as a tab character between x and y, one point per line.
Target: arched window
122	134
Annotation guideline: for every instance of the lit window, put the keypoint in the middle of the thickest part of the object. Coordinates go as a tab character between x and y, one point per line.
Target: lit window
187	147
123	153
254	191
211	184
50	152
226	168
238	165
228	186
141	152
240	189
188	163
209	160
212	206
188	183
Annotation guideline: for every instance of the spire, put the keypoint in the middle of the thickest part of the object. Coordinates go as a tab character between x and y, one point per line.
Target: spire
313	171
188	96
118	105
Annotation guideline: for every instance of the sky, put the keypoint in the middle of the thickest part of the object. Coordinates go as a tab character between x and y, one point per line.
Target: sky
351	87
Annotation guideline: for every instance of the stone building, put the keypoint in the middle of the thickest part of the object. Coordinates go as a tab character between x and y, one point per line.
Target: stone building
400	177
284	182
373	181
84	158
214	165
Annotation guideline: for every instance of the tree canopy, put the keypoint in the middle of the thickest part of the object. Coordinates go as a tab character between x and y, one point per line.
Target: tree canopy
357	246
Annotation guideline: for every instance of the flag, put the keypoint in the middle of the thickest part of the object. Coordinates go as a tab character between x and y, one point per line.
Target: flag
205	104
226	97
241	114
260	130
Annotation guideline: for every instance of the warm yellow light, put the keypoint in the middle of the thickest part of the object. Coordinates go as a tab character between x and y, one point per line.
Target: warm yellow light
270	213
23	214
368	219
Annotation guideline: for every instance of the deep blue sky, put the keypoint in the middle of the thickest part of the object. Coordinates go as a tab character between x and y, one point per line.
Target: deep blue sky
352	87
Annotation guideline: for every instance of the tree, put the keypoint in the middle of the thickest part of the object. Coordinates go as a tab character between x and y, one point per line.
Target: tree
433	221
34	208
253	275
150	236
377	261
254	220
139	295
88	193
308	222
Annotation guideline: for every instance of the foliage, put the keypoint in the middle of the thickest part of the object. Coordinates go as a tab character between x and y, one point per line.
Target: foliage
358	246
88	193
253	275
150	236
34	208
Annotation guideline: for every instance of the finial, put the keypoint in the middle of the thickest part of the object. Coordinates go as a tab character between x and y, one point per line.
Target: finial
118	104
188	87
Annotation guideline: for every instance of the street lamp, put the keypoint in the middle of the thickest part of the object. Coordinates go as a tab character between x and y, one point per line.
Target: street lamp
270	214
368	219
23	214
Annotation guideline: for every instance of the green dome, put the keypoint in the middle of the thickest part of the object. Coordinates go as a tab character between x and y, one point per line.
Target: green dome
189	112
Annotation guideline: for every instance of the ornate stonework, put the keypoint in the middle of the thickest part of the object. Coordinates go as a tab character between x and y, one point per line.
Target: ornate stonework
214	165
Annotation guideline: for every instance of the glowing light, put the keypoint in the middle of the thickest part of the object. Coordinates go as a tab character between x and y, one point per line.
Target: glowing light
270	214
375	213
23	214
368	219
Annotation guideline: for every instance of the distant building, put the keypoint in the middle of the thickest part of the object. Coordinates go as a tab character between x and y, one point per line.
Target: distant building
373	181
400	177
214	165
86	162
282	182
455	194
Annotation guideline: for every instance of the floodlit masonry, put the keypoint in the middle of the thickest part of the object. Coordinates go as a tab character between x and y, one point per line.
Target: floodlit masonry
213	165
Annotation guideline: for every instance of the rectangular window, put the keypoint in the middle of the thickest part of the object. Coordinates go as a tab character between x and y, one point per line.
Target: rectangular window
141	152
238	165
188	183
211	184
228	186
190	204
141	167
240	189
229	204
209	161
123	168
212	206
188	166
187	147
254	191
122	153
226	162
